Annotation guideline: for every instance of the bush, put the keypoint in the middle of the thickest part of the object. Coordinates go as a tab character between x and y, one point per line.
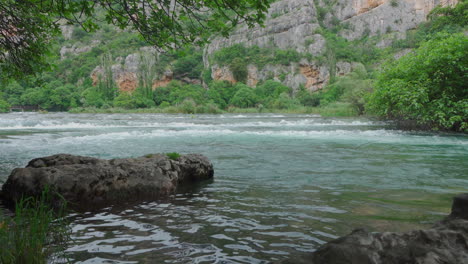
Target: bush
4	106
91	97
271	89
307	98
188	106
226	90
428	87
244	97
129	101
190	65
238	66
284	101
161	94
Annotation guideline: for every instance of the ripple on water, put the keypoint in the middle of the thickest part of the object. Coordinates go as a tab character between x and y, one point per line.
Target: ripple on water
284	184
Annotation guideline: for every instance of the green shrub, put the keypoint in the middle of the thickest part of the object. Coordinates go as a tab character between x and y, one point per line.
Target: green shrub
226	90
188	106
284	101
4	105
131	101
238	66
428	86
91	97
164	104
161	94
173	155
244	97
190	65
271	89
307	98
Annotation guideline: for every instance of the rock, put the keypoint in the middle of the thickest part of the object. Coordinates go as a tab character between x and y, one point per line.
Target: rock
446	242
222	74
87	182
460	206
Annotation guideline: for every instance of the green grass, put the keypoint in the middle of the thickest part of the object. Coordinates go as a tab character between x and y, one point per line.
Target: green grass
35	234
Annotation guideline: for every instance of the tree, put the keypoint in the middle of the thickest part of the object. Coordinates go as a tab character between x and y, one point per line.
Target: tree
427	86
27	26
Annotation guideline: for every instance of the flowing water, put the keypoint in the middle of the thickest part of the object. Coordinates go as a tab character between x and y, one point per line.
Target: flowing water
284	184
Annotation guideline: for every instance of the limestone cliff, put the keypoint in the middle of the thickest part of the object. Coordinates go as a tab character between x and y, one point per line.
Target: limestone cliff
293	24
290	24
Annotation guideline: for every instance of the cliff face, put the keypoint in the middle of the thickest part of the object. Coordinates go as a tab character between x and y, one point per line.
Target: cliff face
290	25
293	24
379	16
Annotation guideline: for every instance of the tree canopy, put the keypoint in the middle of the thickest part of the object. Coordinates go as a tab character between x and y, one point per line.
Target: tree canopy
427	86
28	26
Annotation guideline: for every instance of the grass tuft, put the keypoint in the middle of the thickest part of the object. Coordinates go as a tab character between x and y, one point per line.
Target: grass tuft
36	234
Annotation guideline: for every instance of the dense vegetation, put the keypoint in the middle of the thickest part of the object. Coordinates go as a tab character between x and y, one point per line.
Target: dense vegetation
28	26
425	87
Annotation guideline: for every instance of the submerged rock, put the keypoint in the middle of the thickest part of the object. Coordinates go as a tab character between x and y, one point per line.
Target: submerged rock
445	243
87	182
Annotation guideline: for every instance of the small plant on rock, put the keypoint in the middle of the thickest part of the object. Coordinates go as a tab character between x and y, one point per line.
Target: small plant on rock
173	155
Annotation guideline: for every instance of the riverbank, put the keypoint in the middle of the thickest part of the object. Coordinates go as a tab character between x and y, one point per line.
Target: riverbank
331	110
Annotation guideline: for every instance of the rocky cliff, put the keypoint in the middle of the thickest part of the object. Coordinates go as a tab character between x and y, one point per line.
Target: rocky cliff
295	24
290	25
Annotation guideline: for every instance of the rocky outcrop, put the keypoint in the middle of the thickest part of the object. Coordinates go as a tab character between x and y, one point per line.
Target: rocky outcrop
77	48
445	243
222	74
88	182
307	73
167	77
293	24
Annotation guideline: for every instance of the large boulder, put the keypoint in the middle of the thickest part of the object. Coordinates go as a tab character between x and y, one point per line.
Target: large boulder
87	182
445	243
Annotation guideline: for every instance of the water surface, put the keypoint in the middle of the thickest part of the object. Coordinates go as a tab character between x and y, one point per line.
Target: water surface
284	184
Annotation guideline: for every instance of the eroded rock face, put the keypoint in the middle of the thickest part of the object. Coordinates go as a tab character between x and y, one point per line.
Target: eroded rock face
87	182
293	24
446	242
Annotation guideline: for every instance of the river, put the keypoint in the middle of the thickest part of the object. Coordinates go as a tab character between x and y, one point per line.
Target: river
284	184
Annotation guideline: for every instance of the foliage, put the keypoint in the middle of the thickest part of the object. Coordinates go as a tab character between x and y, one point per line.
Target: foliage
106	85
307	98
284	101
442	18
92	97
238	66
173	155
4	106
190	65
225	89
270	91
427	86
30	24
137	100
244	97
35	233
